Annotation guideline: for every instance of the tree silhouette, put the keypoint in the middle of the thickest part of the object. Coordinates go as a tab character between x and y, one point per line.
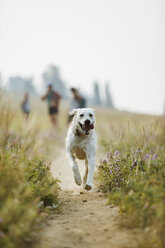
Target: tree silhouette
19	84
96	98
52	75
108	97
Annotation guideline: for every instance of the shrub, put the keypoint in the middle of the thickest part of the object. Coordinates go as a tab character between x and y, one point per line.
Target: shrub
135	180
26	184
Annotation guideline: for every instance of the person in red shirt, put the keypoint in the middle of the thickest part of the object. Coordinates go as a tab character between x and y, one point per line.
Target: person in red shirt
53	100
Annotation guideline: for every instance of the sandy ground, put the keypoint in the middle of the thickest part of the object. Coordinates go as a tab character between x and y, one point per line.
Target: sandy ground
85	219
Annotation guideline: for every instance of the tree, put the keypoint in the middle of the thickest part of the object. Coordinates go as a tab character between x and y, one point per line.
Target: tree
19	84
96	98
108	97
52	75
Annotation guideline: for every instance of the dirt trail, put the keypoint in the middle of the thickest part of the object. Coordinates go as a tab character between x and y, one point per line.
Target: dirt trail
85	221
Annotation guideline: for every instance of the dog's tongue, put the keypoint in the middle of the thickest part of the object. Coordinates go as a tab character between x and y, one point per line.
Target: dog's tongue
88	127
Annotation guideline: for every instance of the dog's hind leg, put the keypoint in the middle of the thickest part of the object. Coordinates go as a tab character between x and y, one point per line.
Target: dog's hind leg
86	173
75	169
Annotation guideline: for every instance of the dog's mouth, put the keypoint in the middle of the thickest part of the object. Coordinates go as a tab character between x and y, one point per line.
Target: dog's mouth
86	128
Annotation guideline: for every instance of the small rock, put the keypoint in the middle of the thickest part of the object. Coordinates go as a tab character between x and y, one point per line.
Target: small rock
81	192
111	206
84	200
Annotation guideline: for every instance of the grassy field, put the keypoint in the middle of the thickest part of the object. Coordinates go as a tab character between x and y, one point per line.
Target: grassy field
27	187
132	172
131	169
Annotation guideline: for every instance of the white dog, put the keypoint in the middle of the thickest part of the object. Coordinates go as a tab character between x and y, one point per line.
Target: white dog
81	143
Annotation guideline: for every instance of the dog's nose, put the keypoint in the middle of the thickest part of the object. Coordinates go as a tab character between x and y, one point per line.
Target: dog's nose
87	122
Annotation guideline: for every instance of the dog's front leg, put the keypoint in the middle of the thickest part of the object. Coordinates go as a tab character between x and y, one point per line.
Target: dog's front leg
75	169
91	166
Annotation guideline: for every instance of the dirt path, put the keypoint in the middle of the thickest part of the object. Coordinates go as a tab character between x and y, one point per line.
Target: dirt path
85	220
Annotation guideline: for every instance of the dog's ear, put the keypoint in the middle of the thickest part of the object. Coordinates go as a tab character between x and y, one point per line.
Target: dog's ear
73	112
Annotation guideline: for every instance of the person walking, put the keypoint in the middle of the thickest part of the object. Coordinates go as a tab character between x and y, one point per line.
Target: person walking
53	99
77	101
25	106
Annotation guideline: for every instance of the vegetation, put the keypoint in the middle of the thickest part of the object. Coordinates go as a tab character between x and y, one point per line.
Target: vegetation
26	185
133	174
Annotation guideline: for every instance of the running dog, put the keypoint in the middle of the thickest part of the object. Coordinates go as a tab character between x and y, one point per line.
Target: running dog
81	143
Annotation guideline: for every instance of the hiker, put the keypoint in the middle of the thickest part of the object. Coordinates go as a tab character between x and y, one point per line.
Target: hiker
53	100
77	101
25	106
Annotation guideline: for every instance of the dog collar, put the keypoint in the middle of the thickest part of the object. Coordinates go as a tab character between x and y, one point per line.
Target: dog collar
78	133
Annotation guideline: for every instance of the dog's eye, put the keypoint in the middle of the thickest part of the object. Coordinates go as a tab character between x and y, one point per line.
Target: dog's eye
81	115
90	115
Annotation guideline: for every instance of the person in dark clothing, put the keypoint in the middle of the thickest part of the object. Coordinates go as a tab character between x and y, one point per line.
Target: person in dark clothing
25	106
77	101
53	100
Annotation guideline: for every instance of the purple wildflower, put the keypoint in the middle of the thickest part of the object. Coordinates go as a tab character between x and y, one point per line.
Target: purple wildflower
134	164
116	153
154	156
146	156
108	155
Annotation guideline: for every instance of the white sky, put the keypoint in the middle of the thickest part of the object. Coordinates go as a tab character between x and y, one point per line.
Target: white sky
122	41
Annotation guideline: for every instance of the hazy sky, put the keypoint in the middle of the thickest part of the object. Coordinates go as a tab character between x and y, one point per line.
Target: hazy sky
120	41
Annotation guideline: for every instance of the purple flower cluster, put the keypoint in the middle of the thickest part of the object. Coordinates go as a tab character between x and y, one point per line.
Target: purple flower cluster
115	170
150	156
108	156
134	164
154	156
116	153
146	156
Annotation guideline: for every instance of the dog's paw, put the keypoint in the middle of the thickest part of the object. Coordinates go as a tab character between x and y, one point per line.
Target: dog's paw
78	180
88	187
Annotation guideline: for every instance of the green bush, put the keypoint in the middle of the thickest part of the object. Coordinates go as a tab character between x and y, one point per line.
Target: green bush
26	184
135	179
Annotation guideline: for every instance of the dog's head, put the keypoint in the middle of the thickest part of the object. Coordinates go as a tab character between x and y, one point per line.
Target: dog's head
84	119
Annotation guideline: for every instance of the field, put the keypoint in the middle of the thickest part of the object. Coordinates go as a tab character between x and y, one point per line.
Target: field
129	178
